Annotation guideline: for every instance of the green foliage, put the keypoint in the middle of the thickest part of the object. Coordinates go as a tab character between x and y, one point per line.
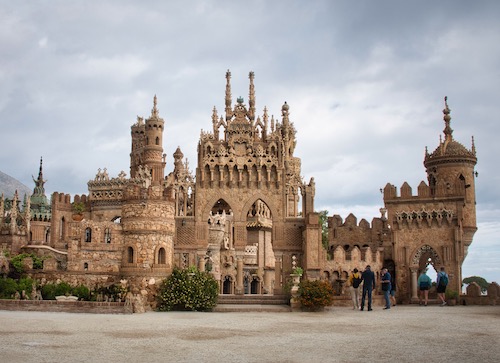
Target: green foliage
82	292
78	207
451	294
49	291
315	294
323	222
25	284
483	284
298	271
17	262
188	289
8	288
114	292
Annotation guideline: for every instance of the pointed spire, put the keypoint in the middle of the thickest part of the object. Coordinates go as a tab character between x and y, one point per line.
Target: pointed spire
448	131
155	111
39	189
473	146
228	94
251	97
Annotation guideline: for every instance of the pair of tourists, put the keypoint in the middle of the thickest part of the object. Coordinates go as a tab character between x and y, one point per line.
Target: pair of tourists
424	284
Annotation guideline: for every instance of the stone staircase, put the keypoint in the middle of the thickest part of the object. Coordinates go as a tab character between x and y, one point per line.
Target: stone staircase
252	303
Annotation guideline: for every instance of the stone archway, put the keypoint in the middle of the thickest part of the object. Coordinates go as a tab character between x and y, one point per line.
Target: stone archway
422	258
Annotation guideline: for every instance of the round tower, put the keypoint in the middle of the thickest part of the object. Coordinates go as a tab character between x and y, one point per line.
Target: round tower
451	174
153	149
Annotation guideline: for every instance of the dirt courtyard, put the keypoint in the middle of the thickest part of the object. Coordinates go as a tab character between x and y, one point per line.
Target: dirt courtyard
401	334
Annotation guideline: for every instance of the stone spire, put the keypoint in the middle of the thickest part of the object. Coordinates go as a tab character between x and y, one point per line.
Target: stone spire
155	111
39	189
251	97
228	95
448	131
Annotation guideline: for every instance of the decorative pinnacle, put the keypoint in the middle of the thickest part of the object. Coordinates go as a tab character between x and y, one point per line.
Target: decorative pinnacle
448	131
154	111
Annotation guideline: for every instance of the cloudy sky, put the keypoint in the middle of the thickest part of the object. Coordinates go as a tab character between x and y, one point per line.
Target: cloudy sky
365	82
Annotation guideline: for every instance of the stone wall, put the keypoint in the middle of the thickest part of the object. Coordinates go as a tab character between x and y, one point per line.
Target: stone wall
66	306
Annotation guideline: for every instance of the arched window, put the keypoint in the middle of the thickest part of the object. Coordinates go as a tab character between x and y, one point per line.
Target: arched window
47	235
85	266
130	255
88	234
107	235
61	228
161	256
157	141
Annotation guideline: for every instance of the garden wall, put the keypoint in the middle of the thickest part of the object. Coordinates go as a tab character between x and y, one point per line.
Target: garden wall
67	306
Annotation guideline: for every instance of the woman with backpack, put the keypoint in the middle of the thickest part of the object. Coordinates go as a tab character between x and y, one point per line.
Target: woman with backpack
354	282
424	284
441	283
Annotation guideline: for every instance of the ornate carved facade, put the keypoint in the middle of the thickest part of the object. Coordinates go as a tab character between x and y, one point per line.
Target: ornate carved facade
244	216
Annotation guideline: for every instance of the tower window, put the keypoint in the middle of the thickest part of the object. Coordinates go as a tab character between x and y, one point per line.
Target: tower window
107	235
88	234
157	142
130	255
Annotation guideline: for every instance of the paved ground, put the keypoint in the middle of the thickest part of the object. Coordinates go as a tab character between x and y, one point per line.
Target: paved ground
402	334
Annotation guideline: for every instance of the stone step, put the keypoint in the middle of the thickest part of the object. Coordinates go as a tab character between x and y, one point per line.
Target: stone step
252	308
253	299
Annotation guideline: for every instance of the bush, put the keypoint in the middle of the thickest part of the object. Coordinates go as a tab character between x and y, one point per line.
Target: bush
315	294
17	262
82	292
188	289
8	288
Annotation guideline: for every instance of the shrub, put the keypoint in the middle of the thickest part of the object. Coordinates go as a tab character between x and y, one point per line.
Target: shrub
17	262
25	284
8	288
114	292
82	292
315	294
49	291
188	289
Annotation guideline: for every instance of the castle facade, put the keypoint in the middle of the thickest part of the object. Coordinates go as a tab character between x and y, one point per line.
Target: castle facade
245	216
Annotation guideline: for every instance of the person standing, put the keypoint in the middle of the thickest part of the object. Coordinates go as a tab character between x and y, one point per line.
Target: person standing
441	283
368	278
424	284
386	287
393	290
354	282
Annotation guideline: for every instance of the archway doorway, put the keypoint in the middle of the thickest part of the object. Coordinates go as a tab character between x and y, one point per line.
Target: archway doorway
425	259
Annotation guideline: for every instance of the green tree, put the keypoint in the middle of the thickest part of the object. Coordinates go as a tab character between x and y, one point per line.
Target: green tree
323	222
483	284
188	289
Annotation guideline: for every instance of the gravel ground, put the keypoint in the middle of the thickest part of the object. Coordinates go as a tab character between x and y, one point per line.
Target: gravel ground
401	334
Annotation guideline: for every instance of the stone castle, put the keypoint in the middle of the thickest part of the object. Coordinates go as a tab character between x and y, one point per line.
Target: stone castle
245	216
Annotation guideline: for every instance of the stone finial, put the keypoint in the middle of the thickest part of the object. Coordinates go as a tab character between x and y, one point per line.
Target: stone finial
155	111
448	131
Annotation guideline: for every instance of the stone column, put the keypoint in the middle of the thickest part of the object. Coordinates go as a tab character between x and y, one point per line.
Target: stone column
278	288
414	287
201	263
268	281
239	276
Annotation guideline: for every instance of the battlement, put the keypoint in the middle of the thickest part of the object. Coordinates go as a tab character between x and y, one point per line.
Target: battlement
424	191
62	199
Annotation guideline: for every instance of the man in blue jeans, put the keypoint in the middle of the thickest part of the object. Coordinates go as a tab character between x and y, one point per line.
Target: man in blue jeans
386	287
368	278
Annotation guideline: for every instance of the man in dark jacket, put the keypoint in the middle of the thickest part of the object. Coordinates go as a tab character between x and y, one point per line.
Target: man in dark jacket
368	278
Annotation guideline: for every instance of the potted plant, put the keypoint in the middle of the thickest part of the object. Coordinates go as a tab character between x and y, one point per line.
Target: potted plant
451	297
78	209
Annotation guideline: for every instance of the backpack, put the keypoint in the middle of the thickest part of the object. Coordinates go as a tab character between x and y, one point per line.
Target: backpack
443	280
356	281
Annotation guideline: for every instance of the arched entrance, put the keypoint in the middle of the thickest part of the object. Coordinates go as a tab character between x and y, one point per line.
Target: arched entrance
424	257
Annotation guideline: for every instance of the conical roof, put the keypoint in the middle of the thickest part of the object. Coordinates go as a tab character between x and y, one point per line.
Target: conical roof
450	149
